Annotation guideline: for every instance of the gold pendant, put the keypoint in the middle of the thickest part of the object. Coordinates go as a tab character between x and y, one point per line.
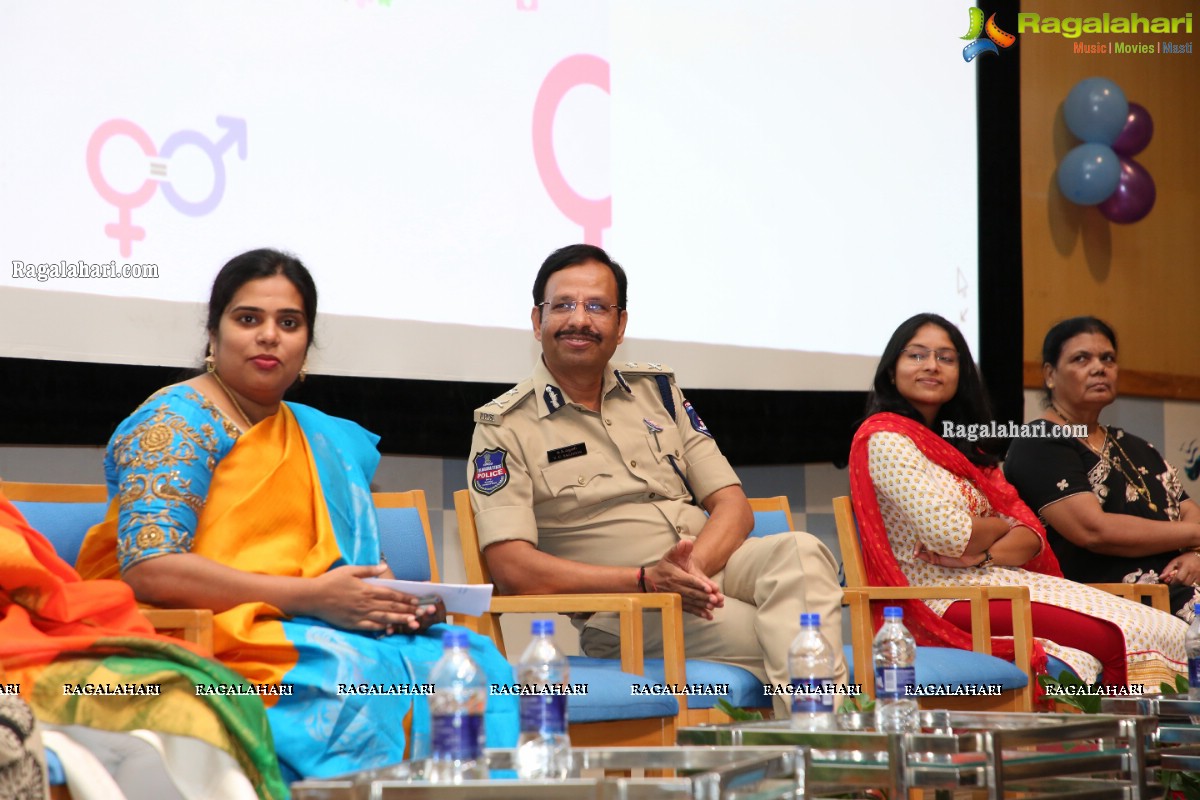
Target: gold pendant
1153	507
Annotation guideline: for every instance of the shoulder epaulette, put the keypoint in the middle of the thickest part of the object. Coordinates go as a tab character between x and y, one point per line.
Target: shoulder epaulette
644	368
491	412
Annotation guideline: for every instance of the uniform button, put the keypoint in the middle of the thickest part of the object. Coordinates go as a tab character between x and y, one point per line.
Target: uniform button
677	454
679	529
581	481
653	495
608	422
633	463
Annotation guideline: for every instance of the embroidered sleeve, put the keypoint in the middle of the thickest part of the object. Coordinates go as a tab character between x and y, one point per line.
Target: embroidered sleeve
163	457
901	475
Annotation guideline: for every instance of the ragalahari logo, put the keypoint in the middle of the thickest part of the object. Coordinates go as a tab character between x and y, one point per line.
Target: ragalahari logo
996	38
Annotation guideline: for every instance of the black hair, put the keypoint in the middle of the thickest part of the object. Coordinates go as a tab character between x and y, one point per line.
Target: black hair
256	264
1062	332
969	406
572	256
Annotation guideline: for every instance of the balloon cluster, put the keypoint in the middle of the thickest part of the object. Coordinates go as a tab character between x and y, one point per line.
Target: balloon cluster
1101	172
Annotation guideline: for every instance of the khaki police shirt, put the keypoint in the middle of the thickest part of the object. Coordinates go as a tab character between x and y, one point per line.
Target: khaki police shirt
594	487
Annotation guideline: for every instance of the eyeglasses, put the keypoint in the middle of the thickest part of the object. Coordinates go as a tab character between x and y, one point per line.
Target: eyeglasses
562	308
945	356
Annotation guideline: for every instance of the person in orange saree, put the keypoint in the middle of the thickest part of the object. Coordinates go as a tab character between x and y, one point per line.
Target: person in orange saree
934	509
225	497
83	656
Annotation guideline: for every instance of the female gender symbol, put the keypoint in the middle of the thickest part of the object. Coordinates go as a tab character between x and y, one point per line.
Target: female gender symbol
123	230
577	70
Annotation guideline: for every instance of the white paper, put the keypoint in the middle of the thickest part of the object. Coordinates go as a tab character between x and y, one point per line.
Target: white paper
459	598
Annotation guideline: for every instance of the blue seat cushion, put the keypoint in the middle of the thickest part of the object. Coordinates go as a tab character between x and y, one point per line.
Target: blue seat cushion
54	768
767	523
954	667
1056	667
610	696
745	690
64	524
402	541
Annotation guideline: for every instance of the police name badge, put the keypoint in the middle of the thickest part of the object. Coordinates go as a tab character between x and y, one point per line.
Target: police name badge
491	473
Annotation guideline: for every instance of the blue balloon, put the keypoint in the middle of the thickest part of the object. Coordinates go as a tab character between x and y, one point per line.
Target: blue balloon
1096	110
1089	174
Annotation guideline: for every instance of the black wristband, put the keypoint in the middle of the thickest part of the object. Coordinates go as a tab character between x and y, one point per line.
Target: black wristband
642	579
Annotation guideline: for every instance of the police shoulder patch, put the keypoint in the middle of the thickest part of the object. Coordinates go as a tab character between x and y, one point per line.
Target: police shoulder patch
491	471
697	423
492	412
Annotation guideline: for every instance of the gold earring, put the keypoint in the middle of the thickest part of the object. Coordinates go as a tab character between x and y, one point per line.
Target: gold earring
304	370
210	361
1049	385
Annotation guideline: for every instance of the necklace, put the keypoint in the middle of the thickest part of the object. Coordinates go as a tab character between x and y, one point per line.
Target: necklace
1140	485
1086	439
232	399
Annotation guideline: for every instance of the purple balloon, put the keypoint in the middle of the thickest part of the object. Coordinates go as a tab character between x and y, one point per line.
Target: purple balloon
1137	132
1134	196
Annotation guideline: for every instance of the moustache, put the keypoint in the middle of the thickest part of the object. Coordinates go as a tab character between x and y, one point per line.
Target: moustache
578	334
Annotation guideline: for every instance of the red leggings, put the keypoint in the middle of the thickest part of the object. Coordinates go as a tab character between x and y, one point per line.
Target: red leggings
1099	637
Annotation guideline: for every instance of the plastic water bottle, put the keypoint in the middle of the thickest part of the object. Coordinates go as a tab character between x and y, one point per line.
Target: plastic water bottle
1191	646
456	707
810	664
544	746
895	653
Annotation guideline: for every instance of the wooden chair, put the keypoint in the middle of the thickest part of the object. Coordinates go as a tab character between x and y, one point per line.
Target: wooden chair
630	731
405	537
963	670
1157	593
771	515
63	513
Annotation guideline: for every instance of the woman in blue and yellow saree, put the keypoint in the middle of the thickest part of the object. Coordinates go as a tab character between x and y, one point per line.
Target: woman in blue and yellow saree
224	497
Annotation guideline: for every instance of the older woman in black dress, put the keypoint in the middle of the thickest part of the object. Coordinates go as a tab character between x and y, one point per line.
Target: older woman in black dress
1114	509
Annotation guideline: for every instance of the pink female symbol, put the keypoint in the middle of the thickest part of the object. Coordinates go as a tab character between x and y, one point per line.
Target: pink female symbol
572	71
123	230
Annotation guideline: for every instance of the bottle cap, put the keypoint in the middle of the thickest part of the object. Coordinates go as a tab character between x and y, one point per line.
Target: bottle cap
543	627
454	639
810	619
893	612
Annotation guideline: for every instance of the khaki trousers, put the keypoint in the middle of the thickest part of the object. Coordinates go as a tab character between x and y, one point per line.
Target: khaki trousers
768	582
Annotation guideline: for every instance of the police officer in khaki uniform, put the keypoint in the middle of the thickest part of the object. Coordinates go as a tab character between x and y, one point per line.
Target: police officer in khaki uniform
591	476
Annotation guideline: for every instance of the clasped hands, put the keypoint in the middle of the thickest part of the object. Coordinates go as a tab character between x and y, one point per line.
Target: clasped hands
678	572
1184	569
958	562
344	599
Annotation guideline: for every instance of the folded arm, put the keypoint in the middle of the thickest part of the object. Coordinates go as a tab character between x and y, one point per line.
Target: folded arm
1081	520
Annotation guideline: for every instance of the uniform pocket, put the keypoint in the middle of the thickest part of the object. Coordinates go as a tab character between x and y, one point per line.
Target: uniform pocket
584	477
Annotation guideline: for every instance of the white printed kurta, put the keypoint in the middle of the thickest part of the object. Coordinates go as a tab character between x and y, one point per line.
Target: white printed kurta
921	502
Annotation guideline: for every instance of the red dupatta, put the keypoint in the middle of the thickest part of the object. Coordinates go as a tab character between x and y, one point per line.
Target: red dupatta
880	562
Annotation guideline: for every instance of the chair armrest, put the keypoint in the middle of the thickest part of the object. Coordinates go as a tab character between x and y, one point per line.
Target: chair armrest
1159	594
194	625
629	608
